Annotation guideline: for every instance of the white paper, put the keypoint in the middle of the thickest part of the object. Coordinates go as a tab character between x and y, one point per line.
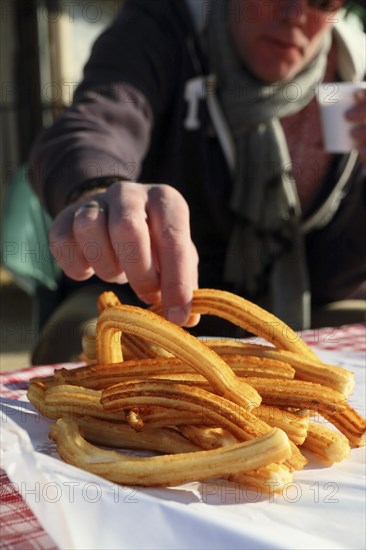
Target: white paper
323	509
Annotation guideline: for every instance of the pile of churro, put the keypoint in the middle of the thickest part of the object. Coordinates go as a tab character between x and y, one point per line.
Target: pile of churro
205	409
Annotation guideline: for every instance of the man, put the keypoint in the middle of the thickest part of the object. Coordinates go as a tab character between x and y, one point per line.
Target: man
192	156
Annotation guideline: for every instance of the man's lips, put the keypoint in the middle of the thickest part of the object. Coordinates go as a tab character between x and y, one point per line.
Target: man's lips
283	44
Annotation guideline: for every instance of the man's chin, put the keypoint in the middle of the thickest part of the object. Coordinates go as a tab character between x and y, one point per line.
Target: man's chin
279	73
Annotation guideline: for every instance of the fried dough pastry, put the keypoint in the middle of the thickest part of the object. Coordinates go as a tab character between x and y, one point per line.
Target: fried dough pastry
35	393
327	444
300	394
248	316
212	438
114	320
257	366
133	347
159	417
297	460
224	409
349	422
306	368
138	348
295	425
168	470
107	299
102	376
122	436
312	370
208	437
319	399
271	479
73	401
213	408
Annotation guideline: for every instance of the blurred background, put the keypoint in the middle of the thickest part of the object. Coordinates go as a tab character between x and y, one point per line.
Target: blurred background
44	46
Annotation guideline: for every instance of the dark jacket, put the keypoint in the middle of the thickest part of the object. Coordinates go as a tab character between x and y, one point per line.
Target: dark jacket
128	118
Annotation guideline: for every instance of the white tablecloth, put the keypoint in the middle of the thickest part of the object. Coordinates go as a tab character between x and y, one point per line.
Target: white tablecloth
324	508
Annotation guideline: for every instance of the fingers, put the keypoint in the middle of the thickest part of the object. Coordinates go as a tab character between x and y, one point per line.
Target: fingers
90	227
82	235
137	233
357	116
150	226
66	249
177	258
130	234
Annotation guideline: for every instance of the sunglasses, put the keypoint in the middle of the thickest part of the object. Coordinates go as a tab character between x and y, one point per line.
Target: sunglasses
325	5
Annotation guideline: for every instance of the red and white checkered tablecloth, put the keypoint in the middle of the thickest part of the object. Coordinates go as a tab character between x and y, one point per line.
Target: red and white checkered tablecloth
346	338
19	528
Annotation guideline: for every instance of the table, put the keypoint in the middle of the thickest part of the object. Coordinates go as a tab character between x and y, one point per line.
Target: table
20	529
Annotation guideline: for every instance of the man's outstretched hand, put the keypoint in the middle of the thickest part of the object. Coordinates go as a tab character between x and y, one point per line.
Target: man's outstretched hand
135	233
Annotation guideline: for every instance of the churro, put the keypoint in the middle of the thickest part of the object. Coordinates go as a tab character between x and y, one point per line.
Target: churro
122	436
300	394
70	401
168	470
271	479
306	368
133	347
180	343
208	437
248	316
102	376
349	422
216	409
295	425
212	408
327	444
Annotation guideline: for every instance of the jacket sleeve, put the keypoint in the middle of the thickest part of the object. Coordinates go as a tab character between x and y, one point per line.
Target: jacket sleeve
127	84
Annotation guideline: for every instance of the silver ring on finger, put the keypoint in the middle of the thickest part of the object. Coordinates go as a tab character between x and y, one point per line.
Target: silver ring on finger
91	205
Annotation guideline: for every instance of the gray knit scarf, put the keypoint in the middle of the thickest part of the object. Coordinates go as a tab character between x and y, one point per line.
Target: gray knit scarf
265	254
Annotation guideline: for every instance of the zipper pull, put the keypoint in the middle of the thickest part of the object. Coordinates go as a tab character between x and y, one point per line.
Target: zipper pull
194	91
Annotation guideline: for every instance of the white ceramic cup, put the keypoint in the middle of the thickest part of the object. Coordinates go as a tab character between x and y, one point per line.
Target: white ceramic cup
335	98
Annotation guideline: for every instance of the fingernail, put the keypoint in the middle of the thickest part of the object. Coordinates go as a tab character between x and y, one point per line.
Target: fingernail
177	315
193	320
151	298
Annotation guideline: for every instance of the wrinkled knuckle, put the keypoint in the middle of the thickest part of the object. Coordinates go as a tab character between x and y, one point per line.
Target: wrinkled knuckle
122	190
179	289
162	190
172	237
166	193
129	225
82	224
115	190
